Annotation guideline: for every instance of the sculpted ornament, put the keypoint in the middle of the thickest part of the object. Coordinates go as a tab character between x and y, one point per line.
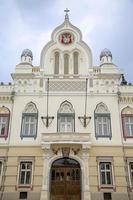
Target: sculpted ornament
66	38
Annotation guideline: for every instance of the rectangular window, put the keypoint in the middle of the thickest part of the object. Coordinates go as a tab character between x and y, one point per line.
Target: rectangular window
23	195
107	196
131	172
65	124
3	125
128	125
29	126
103	128
105	168
1	169
105	173
25	173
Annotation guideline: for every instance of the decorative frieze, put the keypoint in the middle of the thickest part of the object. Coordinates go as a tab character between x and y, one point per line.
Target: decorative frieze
126	99
5	98
67	85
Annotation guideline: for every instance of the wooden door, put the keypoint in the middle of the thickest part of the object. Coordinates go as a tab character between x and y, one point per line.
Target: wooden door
65	182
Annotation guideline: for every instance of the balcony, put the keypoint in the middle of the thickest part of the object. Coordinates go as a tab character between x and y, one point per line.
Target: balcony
66	138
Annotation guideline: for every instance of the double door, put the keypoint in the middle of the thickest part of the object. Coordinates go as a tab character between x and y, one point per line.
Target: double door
65	183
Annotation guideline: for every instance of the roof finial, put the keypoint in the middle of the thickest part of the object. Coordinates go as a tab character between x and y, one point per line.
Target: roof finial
66	15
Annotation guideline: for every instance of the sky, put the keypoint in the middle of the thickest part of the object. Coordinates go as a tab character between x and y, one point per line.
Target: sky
29	24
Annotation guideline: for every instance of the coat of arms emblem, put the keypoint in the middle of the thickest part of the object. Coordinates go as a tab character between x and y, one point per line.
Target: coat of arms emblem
66	38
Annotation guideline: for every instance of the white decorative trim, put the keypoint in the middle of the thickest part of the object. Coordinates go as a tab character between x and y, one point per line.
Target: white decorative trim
25	159
105	159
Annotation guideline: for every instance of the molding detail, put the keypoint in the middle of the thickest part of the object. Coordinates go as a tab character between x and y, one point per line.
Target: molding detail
126	99
67	86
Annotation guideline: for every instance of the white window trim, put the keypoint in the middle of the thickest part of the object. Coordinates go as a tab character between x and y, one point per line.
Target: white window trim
105	159
129	160
2	170
25	186
129	124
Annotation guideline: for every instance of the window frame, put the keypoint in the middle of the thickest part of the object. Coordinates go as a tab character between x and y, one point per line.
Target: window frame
56	62
105	160
108	116
76	59
125	134
22	135
5	135
59	115
129	160
2	170
25	186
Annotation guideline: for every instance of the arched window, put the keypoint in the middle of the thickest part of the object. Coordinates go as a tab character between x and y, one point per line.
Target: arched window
102	121
66	64
4	121
56	67
75	59
66	117
127	122
29	121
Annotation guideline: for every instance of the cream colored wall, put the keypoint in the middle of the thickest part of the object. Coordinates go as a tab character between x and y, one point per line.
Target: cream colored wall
118	168
12	166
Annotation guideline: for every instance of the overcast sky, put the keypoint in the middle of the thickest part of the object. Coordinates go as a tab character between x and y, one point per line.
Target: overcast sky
29	23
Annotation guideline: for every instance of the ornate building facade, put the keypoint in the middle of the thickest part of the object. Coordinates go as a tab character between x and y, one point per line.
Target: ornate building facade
66	126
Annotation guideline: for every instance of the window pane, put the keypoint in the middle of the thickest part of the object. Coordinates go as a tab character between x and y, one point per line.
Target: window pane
103	178
62	127
132	129
22	177
102	165
131	119
23	166
26	129
29	165
108	178
65	124
62	119
32	129
105	129
28	177
75	62
29	125
0	168
108	166
3	125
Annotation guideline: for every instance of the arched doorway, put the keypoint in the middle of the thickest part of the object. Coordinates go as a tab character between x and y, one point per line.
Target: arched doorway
65	180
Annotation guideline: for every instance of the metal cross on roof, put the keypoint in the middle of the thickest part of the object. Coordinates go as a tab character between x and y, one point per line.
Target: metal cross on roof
66	15
66	10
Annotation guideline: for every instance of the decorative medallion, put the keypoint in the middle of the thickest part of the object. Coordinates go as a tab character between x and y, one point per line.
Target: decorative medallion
66	38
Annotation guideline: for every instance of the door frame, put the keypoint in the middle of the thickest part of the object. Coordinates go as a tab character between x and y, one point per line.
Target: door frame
82	170
67	167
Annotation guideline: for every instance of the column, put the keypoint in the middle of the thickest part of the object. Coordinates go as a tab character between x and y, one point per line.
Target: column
86	185
45	195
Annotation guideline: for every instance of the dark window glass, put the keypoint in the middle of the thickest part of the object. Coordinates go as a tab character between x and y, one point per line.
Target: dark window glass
105	173
23	195
107	196
25	173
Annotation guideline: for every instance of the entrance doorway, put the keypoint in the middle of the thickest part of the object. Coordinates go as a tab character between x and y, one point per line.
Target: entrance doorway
65	180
